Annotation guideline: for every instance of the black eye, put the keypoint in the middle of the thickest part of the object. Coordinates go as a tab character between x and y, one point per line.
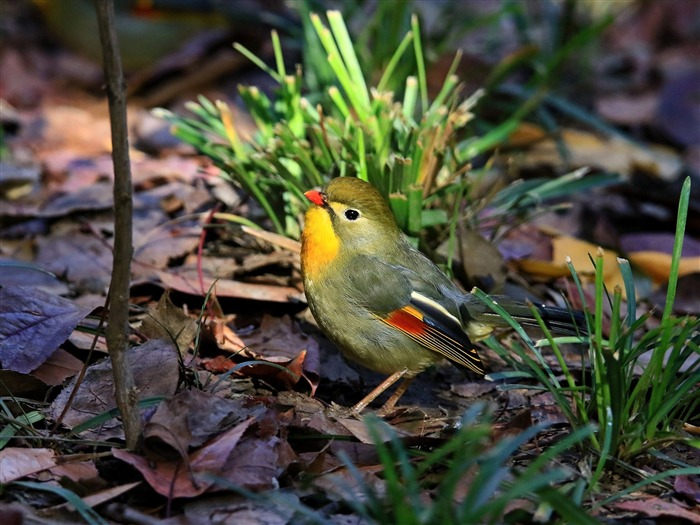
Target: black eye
351	214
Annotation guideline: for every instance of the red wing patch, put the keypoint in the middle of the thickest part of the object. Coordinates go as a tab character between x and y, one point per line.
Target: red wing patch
408	320
436	334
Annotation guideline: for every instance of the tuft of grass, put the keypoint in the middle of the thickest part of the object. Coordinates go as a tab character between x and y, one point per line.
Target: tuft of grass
416	151
643	385
362	132
475	478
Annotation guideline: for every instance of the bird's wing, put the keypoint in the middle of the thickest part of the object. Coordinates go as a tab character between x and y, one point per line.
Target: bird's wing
405	301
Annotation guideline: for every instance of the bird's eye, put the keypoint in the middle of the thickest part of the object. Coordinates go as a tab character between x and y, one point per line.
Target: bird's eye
352	215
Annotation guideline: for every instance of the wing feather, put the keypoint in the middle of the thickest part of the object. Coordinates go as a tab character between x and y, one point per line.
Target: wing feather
431	325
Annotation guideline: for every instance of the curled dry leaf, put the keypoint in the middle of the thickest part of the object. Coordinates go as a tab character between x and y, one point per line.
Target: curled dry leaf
191	418
167	321
190	477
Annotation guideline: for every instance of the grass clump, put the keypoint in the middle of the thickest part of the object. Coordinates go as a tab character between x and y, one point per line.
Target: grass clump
415	150
363	132
643	386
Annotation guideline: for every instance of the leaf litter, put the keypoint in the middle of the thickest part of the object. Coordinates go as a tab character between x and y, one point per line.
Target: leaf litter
220	424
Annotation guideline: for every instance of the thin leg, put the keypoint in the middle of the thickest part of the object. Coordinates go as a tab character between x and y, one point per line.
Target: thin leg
393	378
391	402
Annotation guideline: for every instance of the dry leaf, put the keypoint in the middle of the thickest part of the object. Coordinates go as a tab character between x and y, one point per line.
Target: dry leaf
16	463
657	265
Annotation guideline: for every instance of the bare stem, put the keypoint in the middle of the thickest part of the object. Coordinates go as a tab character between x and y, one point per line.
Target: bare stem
125	390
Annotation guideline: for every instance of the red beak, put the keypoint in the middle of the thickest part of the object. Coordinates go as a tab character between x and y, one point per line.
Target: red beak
315	196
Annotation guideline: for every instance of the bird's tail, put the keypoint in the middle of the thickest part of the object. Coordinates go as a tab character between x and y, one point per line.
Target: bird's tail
560	320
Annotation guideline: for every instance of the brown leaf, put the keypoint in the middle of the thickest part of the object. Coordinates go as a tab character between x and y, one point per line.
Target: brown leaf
280	337
167	321
16	463
156	248
186	280
612	154
192	478
83	130
473	389
57	368
231	509
79	256
579	252
191	418
14	384
273	238
657	508
75	471
255	463
481	261
628	109
156	373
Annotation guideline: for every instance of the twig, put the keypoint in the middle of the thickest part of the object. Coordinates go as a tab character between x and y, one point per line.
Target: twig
125	391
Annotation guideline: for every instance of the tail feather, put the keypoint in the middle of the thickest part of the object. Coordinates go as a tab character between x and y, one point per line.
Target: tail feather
560	320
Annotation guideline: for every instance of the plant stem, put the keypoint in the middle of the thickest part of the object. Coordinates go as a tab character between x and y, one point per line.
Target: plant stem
125	390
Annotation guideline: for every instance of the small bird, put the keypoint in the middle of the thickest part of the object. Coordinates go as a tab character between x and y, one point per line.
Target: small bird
384	303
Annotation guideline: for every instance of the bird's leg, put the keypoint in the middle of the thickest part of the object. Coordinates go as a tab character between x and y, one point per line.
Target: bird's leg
391	402
393	378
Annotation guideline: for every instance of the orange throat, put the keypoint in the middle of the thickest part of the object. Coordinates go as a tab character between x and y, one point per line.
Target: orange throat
319	243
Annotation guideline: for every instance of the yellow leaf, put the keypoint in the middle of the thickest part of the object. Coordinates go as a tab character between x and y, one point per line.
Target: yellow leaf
657	265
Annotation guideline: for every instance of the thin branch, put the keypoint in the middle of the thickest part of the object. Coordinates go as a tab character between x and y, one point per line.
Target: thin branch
125	390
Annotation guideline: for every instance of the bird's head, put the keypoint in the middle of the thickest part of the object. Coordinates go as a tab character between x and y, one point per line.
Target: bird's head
352	214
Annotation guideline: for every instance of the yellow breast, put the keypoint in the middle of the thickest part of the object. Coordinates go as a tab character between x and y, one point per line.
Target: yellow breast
319	243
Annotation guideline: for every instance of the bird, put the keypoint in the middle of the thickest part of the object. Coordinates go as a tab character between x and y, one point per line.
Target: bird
382	302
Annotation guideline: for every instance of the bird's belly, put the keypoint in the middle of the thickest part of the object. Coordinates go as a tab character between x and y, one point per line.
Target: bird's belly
367	340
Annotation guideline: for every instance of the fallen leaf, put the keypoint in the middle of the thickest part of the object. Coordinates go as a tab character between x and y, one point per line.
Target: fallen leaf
580	253
58	367
156	248
187	281
76	471
14	384
281	337
16	463
167	321
658	242
657	508
231	509
254	464
687	487
657	265
98	498
628	109
180	479
156	373
80	257
678	110
611	154
33	324
273	238
191	418
95	197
